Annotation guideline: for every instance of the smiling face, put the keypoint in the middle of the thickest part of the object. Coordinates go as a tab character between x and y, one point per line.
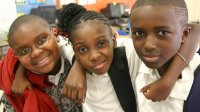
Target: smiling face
157	34
40	60
93	46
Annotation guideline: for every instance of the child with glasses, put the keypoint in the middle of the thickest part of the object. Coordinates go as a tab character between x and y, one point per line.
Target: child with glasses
105	41
108	42
35	47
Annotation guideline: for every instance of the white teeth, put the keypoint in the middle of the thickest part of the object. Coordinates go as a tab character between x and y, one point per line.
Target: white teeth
42	61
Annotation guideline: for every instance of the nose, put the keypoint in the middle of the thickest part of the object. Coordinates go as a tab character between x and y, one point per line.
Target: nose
150	43
94	55
35	51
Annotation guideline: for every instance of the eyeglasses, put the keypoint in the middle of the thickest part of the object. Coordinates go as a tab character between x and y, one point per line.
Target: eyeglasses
42	42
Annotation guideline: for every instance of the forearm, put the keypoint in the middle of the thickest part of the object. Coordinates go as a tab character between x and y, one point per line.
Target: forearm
75	85
174	70
20	72
192	42
187	51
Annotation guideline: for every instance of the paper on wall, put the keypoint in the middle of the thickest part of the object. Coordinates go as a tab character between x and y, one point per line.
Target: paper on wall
64	2
8	14
86	2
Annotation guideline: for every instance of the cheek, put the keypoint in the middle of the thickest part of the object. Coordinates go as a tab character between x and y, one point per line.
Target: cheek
110	52
138	46
169	49
26	62
84	61
53	47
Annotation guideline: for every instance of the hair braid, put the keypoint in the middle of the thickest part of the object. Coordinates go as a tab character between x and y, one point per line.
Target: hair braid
67	14
78	15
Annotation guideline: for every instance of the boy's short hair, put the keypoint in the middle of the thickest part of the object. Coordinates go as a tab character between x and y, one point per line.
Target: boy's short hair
22	20
179	6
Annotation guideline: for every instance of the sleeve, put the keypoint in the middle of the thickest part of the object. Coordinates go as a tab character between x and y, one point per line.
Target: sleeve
66	49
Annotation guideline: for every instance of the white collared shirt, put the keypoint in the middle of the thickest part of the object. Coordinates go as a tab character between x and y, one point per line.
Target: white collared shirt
55	78
66	51
101	96
179	93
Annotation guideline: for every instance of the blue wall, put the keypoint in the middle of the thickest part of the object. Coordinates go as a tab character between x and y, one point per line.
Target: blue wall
29	4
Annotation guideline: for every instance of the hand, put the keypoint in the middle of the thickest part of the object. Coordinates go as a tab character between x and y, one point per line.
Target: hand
19	85
20	82
75	85
158	90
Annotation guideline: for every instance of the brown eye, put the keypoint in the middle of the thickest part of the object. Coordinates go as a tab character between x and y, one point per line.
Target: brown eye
42	40
138	33
82	50
101	44
162	33
24	52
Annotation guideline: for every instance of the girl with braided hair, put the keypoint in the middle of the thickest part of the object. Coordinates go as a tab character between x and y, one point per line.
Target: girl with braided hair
107	89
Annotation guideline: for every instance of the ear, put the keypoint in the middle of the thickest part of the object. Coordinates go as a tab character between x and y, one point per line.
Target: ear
186	33
115	36
114	42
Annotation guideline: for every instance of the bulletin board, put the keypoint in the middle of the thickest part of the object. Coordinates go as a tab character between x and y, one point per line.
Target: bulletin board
25	6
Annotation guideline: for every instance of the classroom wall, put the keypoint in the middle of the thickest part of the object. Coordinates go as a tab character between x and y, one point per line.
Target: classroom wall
8	14
193	9
26	8
103	3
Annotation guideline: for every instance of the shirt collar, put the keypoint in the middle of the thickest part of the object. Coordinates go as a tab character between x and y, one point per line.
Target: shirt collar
62	66
55	78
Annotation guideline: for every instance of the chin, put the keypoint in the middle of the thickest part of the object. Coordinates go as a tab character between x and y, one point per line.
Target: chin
101	72
152	65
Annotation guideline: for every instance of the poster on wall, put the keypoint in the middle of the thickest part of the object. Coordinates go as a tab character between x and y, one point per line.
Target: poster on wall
86	2
20	2
37	2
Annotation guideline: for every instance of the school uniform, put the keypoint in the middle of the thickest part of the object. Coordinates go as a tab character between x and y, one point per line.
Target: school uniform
54	90
198	51
62	102
103	94
179	93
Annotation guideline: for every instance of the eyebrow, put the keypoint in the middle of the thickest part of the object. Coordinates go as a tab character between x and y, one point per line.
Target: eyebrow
158	27
78	43
81	42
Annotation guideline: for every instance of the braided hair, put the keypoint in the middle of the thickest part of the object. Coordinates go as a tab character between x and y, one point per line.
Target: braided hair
72	15
178	5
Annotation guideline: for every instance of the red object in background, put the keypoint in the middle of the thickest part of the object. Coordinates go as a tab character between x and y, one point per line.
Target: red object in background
100	4
57	31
